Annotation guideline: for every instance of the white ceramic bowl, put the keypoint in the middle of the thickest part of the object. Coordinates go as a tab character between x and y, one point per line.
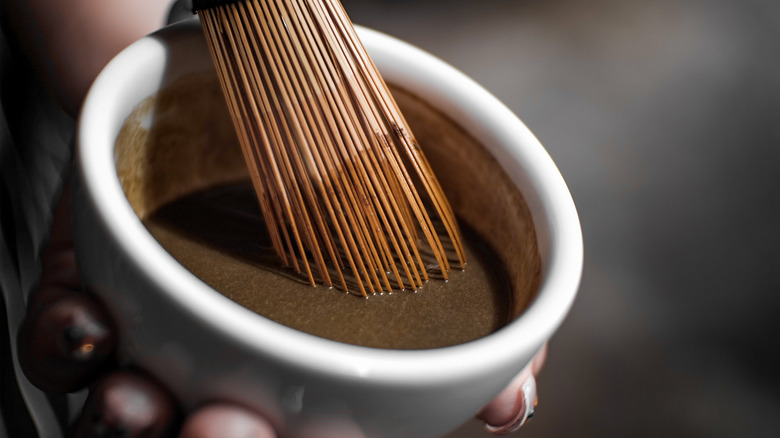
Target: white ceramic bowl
205	347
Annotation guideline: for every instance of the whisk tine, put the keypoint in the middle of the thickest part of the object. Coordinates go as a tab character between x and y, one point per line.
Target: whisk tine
432	185
350	217
292	162
335	167
339	110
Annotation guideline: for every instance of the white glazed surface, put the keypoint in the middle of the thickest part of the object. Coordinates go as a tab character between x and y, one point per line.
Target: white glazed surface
204	346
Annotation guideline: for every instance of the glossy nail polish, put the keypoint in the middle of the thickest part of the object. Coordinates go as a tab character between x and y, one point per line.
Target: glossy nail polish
524	407
127	404
64	344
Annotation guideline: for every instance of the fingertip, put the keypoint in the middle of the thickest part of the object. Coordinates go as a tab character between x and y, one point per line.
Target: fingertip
127	404
64	344
222	420
512	408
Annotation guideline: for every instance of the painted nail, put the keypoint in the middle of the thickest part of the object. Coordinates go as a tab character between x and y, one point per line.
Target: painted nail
64	345
525	405
127	404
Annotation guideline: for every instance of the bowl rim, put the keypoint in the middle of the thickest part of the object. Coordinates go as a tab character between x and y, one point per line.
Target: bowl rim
479	112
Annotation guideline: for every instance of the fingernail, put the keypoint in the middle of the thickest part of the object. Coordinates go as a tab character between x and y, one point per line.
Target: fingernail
64	345
127	404
525	404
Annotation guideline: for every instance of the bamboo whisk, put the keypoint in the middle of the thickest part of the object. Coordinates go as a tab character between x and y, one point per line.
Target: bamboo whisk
345	191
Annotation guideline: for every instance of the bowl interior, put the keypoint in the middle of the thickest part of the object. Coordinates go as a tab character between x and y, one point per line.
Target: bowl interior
181	140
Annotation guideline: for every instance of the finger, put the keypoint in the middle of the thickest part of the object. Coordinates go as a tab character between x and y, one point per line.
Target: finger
516	404
538	362
63	345
59	269
334	427
127	404
225	421
511	409
58	261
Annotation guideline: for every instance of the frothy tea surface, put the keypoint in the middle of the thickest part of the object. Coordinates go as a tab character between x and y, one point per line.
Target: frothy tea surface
218	235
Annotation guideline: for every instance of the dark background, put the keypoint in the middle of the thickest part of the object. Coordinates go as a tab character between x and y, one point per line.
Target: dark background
664	119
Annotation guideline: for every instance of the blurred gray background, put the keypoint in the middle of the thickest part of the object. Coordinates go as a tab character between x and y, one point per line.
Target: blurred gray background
664	119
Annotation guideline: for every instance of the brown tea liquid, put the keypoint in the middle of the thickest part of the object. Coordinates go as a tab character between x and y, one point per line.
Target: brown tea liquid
219	236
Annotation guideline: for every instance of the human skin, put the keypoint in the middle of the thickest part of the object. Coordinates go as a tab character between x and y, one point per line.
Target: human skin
68	43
